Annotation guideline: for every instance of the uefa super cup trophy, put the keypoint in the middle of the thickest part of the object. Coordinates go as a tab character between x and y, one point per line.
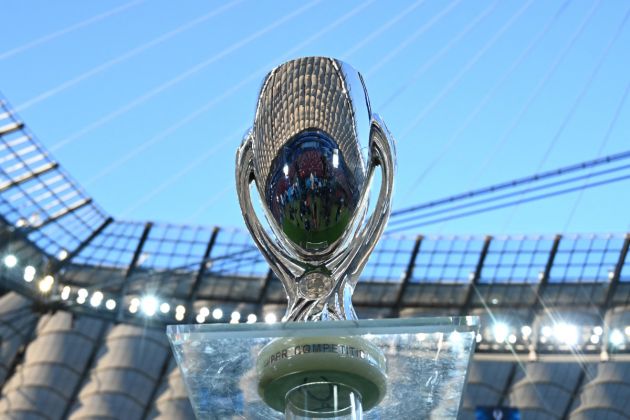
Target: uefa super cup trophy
312	153
311	156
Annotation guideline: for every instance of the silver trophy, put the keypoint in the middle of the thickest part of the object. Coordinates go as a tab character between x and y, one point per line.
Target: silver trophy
312	153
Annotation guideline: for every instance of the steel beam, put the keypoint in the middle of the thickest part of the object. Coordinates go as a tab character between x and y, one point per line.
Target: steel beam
58	215
262	296
130	269
201	271
407	277
59	264
474	281
34	174
616	275
544	279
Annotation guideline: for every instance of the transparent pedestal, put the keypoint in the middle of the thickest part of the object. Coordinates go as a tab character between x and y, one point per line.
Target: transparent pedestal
370	369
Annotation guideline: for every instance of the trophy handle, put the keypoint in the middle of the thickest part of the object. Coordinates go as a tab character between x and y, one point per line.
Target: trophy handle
277	259
382	154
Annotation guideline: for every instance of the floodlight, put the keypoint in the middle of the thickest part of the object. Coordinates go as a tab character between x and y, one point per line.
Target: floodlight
149	305
217	313
165	307
500	332
616	338
236	316
65	292
200	319
598	330
204	312
594	338
82	293
179	316
46	284
546	331
271	318
180	309
29	273
526	330
10	261
96	299
251	318
566	333
110	304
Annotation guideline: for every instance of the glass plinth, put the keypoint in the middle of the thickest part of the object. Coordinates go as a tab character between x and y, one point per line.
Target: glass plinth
424	362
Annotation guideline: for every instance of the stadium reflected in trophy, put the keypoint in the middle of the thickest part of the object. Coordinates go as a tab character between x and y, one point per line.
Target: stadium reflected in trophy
313	149
310	160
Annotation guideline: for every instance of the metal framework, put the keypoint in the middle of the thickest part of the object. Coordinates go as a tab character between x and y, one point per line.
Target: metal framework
54	229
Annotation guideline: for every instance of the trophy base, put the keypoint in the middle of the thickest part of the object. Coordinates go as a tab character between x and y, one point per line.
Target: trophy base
388	368
350	362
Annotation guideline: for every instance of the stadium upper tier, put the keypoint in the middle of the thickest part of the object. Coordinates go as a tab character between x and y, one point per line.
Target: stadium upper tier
63	251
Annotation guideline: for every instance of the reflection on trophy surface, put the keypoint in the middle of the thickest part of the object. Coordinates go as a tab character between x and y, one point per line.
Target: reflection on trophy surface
312	153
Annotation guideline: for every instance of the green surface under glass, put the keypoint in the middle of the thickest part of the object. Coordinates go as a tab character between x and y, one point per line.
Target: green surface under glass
426	358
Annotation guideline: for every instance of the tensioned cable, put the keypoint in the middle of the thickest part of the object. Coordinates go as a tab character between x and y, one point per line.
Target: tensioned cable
516	182
71	28
609	131
536	92
182	76
585	88
513	203
437	56
125	56
575	104
464	70
511	194
490	94
381	29
253	76
421	30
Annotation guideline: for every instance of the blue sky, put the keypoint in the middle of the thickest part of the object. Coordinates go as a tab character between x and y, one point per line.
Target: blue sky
145	102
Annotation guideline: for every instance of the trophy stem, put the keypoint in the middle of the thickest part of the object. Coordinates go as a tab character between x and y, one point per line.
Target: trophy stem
327	400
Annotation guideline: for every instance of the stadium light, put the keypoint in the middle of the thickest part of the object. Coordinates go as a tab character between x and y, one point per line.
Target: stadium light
110	304
526	330
566	333
546	331
200	319
80	300
180	309
165	307
478	338
46	284
65	292
271	318
251	318
29	273
235	317
179	316
149	305
82	293
217	313
598	330
500	332
594	338
96	299
616	338
204	312
10	261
